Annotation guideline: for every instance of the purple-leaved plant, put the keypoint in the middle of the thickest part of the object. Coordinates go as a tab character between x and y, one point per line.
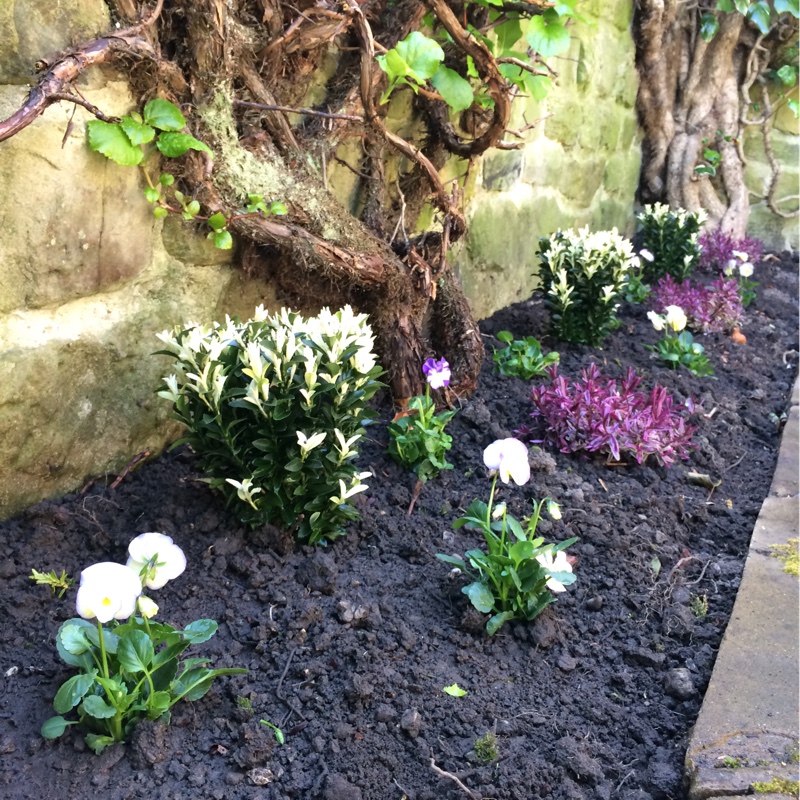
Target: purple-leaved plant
709	309
598	414
716	249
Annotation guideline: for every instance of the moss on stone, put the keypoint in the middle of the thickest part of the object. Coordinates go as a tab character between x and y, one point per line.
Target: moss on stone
789	555
778	786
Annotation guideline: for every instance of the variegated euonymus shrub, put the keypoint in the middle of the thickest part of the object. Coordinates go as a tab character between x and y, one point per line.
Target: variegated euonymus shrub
584	276
275	407
670	238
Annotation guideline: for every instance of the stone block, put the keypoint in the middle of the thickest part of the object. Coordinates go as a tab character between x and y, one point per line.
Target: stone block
785	480
621	174
188	242
499	265
77	381
32	29
775	232
785	146
501	169
69	215
580	182
544	163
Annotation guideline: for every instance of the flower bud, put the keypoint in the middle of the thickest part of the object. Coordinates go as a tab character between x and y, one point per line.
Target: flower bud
147	608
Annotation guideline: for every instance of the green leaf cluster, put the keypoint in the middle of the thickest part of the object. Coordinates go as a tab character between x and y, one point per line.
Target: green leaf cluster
508	580
129	141
417	439
522	358
683	351
671	236
273	408
128	672
584	276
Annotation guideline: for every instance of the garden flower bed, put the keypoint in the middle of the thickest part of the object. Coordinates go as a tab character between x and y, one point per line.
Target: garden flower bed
350	646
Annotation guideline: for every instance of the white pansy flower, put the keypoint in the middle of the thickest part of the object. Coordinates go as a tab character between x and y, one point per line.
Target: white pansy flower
107	591
559	563
742	256
676	318
147	608
156	559
656	319
746	270
730	267
498	511
509	458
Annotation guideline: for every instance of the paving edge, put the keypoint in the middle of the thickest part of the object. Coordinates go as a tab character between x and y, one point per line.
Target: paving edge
747	731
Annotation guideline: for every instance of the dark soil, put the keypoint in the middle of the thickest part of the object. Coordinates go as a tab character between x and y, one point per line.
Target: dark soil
349	647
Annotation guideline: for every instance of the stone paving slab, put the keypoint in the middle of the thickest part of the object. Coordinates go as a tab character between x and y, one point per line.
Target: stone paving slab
747	731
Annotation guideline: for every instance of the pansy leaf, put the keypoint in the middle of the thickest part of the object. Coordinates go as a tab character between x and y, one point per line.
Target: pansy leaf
72	691
135	651
54	727
200	630
497	621
480	596
96	707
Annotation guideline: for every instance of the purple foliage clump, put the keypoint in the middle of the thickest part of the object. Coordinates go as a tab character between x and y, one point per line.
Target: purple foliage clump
709	309
597	414
716	249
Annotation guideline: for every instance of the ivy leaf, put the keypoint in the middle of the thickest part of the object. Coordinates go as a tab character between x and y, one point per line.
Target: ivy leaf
709	25
109	139
704	169
741	5
547	35
278	209
223	240
725	5
416	57
472	70
759	14
454	690
217	221
787	74
164	115
794	106
136	131
455	90
538	85
173	145
788	6
508	34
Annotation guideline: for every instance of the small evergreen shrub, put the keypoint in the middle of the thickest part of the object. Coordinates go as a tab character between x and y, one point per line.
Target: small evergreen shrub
671	239
584	275
709	309
598	414
274	407
522	358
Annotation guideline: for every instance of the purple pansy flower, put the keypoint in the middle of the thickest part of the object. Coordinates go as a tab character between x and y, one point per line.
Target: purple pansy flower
437	373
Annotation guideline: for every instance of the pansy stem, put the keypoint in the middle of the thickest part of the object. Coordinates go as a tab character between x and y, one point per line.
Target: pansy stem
116	723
